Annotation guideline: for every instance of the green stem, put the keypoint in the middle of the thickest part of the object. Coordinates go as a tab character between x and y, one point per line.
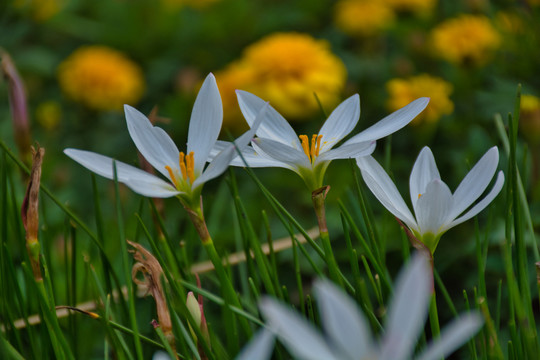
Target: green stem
434	317
231	297
318	196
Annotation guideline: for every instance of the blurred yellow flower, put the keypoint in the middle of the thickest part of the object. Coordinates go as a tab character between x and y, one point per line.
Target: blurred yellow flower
414	6
49	114
530	118
465	39
40	10
403	91
101	78
363	17
288	70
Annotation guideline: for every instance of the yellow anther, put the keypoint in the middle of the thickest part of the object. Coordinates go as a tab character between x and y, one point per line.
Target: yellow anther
190	164
305	145
182	163
313	143
311	151
187	164
318	145
171	174
419	195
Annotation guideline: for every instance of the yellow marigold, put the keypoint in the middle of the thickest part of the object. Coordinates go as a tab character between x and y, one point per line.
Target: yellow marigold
403	91
415	6
363	17
101	78
465	39
287	69
530	118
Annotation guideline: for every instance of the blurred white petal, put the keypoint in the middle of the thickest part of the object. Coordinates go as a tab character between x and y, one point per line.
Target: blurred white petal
453	336
408	309
343	323
299	336
260	347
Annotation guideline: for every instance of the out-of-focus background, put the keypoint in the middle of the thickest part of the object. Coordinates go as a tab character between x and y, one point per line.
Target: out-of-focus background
79	61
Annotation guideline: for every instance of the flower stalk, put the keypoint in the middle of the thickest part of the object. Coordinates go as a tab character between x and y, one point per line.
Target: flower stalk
318	197
196	216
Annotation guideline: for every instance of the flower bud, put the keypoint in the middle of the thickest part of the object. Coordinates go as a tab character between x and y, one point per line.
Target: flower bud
17	103
30	212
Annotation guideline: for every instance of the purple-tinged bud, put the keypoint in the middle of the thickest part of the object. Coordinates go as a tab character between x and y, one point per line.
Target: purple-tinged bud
18	105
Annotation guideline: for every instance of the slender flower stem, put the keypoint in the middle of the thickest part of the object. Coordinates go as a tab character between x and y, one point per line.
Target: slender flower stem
197	218
318	196
434	317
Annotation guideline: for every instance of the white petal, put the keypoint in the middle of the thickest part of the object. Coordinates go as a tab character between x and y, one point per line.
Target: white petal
433	207
219	145
348	152
475	182
274	126
453	336
391	123
423	172
256	158
481	204
299	337
252	157
153	142
223	159
260	347
340	122
286	154
384	190
408	309
138	180
342	321
205	123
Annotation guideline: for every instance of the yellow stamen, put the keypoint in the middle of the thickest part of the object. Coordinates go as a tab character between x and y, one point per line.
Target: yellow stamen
319	137
187	168
313	142
305	145
171	174
311	151
190	164
419	195
182	164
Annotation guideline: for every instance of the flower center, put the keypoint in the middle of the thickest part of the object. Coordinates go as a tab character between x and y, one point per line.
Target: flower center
186	168
311	151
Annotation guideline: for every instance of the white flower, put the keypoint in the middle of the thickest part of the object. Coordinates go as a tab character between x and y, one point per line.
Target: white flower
185	172
436	208
347	335
278	145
